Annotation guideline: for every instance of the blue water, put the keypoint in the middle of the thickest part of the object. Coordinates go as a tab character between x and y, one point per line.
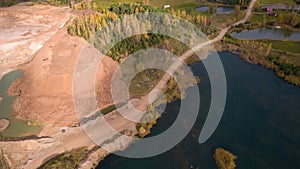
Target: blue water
220	10
260	124
266	33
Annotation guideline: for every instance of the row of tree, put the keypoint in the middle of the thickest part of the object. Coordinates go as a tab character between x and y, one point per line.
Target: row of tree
291	19
286	68
4	3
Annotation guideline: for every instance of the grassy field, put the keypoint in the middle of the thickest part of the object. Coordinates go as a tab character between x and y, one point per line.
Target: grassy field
259	18
223	20
289	46
66	160
290	2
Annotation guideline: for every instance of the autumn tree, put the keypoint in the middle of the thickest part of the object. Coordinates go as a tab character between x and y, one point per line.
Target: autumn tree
294	20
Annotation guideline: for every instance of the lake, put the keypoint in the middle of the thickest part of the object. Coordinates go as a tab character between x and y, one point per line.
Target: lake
266	33
220	10
260	124
16	127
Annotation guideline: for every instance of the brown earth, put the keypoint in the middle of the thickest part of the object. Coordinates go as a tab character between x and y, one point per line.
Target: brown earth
45	91
24	30
46	88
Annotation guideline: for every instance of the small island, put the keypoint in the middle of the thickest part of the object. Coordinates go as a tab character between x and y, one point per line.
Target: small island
4	123
224	159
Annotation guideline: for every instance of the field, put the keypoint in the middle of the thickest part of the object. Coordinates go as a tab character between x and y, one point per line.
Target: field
288	46
290	2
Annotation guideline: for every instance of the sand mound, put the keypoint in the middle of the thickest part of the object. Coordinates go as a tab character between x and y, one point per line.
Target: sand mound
4	123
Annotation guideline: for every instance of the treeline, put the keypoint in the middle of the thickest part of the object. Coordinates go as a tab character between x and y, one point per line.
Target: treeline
260	48
289	18
286	68
4	3
85	26
58	2
132	8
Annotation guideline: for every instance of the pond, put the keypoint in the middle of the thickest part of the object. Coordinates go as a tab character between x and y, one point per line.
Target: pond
220	10
16	127
260	124
267	33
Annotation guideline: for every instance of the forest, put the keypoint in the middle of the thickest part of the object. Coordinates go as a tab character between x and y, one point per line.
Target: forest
87	26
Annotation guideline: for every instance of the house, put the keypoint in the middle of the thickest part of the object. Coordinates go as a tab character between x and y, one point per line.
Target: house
166	6
269	10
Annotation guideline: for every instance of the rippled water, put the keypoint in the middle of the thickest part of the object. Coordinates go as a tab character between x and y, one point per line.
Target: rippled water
260	124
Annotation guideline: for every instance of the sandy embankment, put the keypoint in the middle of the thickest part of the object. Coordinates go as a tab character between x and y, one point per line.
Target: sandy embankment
24	30
46	87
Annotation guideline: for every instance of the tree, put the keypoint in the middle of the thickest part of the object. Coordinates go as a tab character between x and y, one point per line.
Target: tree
224	159
269	49
237	9
183	14
280	18
294	20
212	9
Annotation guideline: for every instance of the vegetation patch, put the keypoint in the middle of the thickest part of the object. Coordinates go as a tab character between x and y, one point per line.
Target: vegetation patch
3	162
224	159
68	160
289	46
290	2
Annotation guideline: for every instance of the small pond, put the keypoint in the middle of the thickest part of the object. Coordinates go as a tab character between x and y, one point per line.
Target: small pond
267	33
220	10
16	127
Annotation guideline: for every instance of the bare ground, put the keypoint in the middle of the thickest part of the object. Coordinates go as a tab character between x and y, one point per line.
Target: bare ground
24	30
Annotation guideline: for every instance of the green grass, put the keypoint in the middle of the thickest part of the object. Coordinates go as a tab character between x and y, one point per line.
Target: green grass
290	2
257	19
68	160
108	109
144	82
223	20
288	46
